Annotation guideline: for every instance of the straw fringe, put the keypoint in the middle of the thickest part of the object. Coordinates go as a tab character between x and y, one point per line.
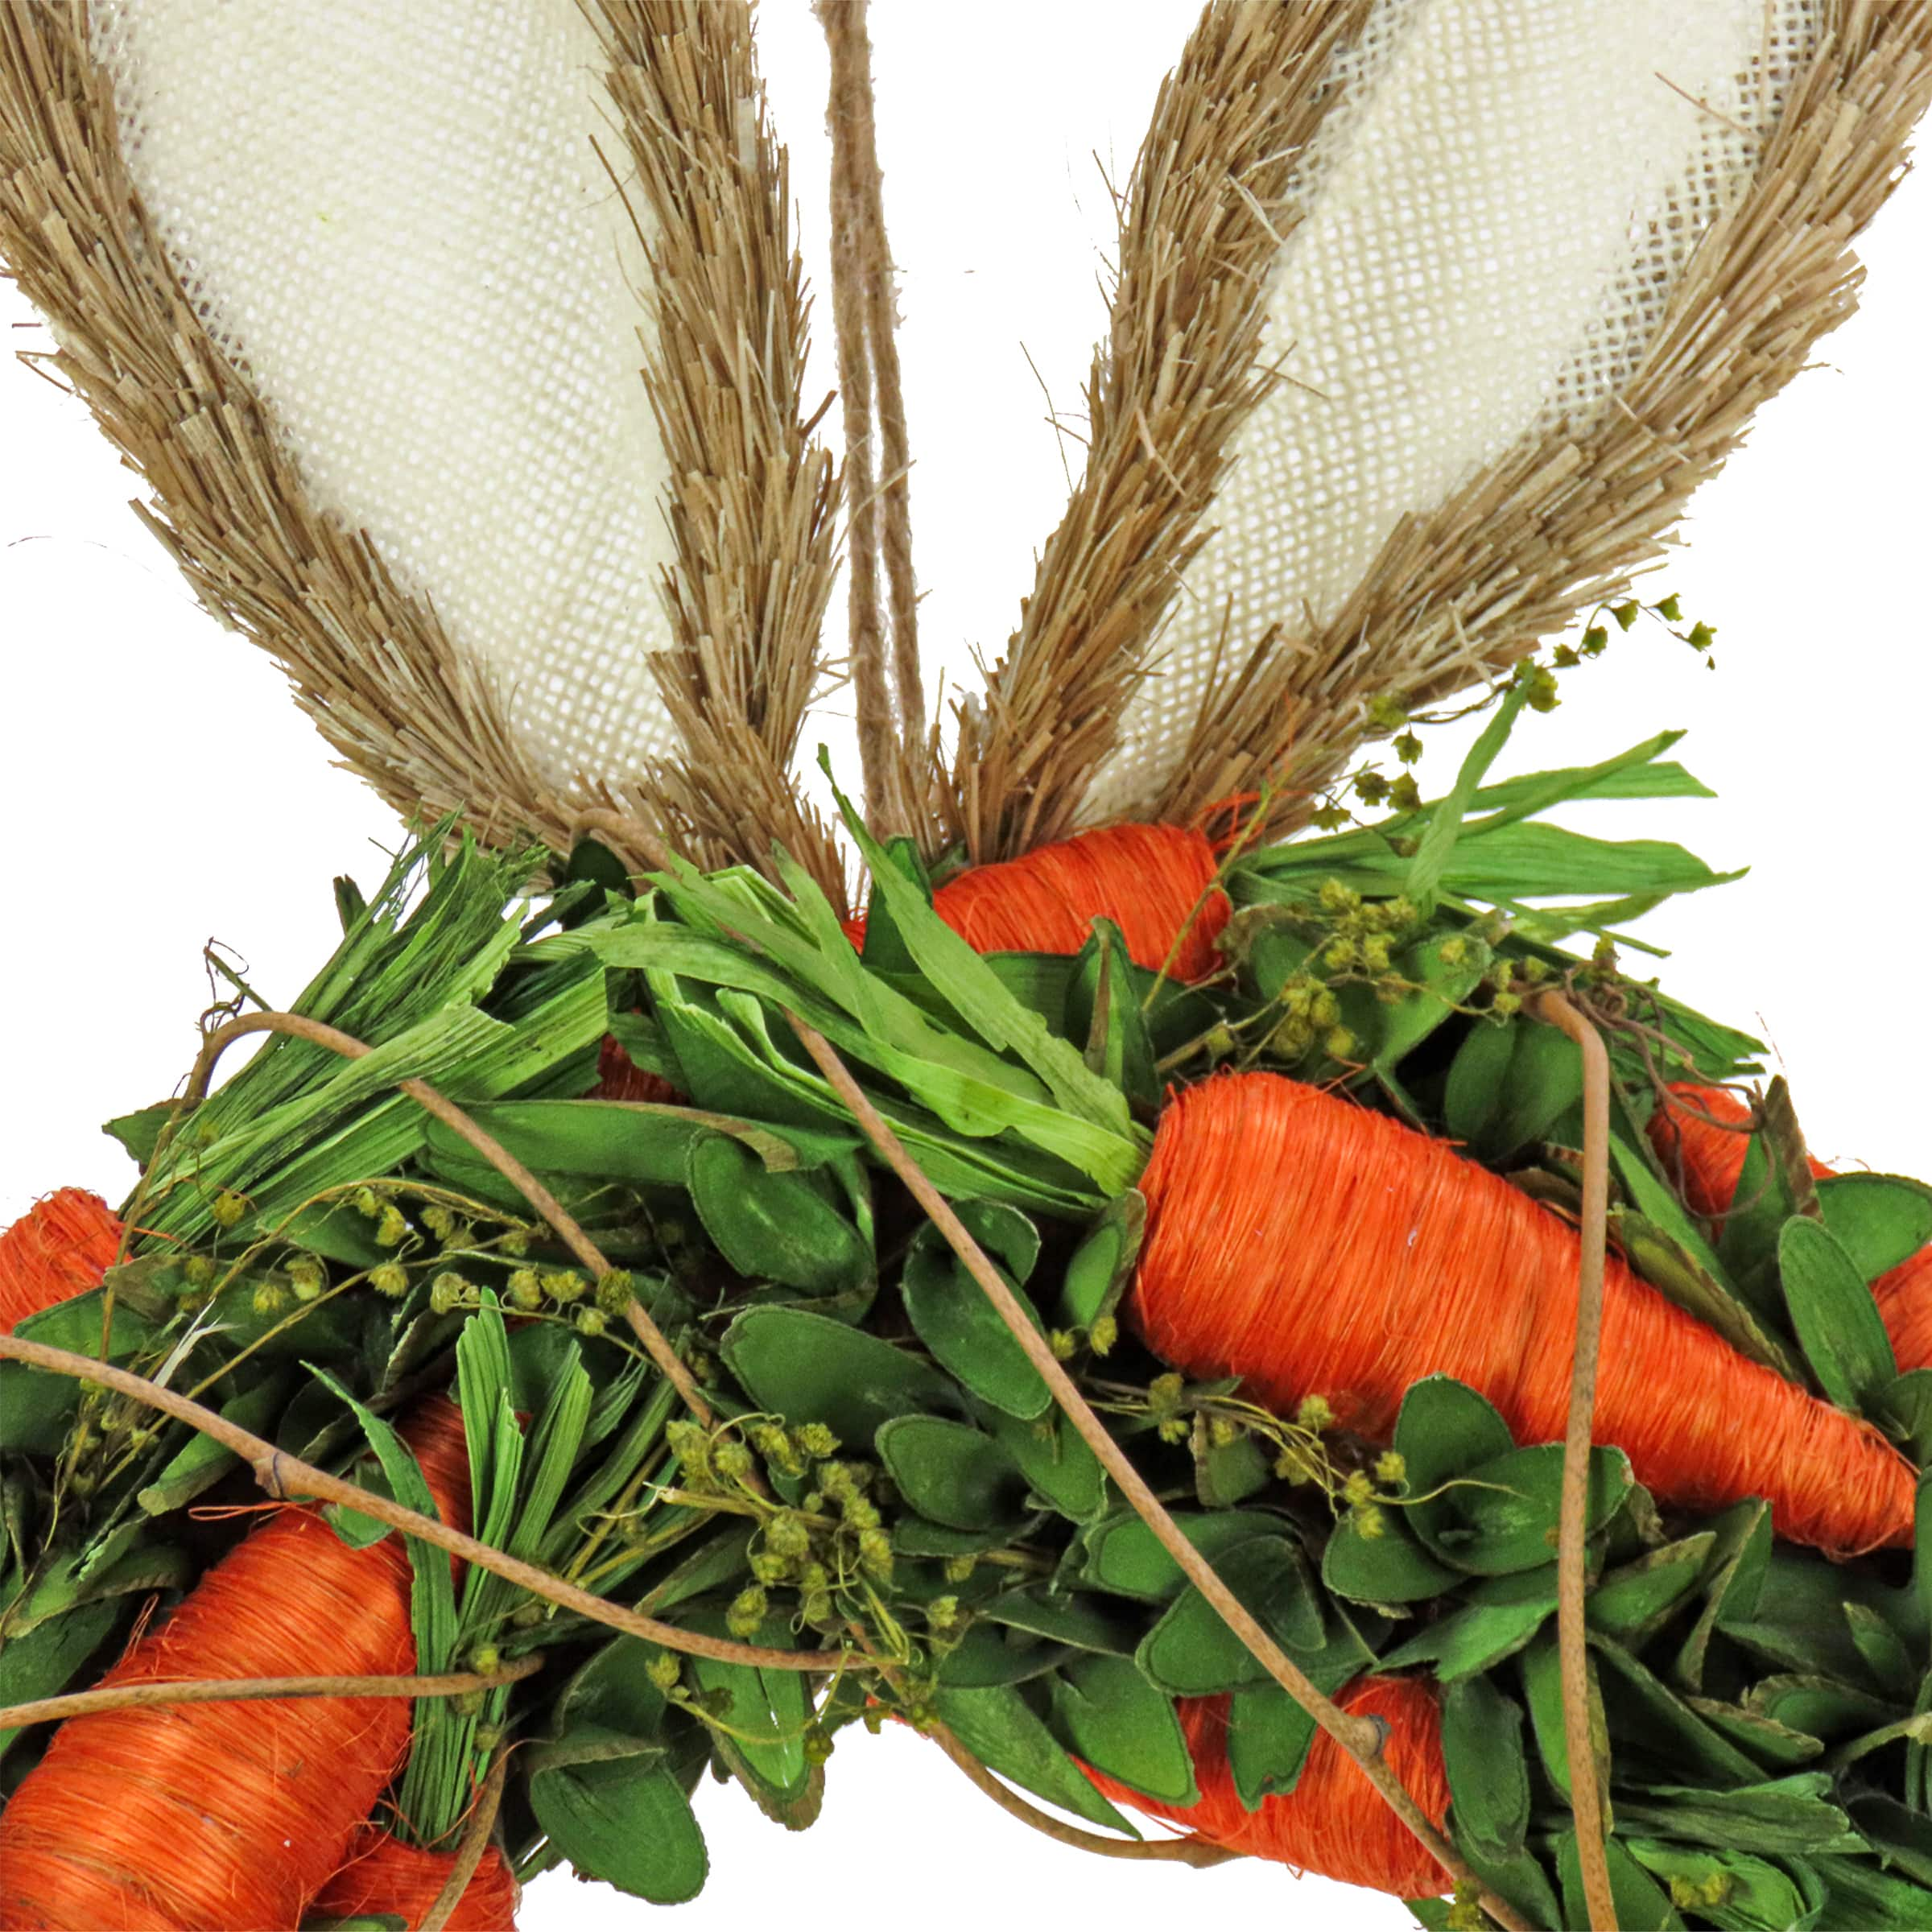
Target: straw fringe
753	492
1463	594
404	709
1177	376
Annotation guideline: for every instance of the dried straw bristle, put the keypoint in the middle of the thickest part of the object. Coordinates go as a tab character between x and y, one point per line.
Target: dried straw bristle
373	667
405	707
752	493
1202	219
1457	593
1562	522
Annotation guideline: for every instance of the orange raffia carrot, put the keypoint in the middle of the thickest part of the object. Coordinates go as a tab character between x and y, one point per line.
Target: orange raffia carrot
1712	1160
1313	1248
383	1876
1155	882
227	1818
59	1248
1334	1822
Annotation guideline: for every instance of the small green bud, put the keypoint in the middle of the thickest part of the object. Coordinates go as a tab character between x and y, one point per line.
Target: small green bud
198	1271
1453	950
664	1670
1701	638
1670	609
958	1569
818	1743
447	1293
1358	1490
1224	1432
1506	1006
526	1616
269	1299
366	1203
228	1208
1326	1011
1627	614
438	1220
1103	1334
486	1660
875	1554
592	1322
1371	787
306	1278
1408	748
616	1290
733	1460
1405	794
390	1227
390	1279
942	1613
746	1614
814	1440
1391	1467
562	1285
1370	1521
1164	1391
1339	1043
1063	1345
786	1534
525	1290
1313	1412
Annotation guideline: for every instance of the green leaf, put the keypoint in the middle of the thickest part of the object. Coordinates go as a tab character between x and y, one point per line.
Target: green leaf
1776	1746
1438	842
1882	1647
1501	1517
1474	1092
807	1368
1671	1268
1544	1082
1075	1620
1444	975
1488	1774
1192	1651
42	1661
37	1406
1737	1572
763	1738
1480	1636
632	1828
1881	1219
1123	1555
951	1473
1060	1470
1445	1430
1000	1728
1823	1707
1872	1900
1269	1738
1640	1711
1102	1266
1785	1815
950	1312
1543	1694
202	1461
987	1656
1227	1473
1906	1406
1389	1568
1834	1316
775	1227
1104	1012
1112	1718
1631	1602
1640	1903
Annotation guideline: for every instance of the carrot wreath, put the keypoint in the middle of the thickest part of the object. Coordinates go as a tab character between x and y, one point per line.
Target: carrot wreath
1713	1157
181	1818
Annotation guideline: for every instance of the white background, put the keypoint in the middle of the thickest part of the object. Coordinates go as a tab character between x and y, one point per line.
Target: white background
159	789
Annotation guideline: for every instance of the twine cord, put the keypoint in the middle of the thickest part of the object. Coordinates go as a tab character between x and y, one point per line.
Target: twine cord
249	1689
1586	1798
886	687
1361	1738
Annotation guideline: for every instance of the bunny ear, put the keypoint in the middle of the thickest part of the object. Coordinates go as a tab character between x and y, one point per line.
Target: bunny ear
1527	278
366	292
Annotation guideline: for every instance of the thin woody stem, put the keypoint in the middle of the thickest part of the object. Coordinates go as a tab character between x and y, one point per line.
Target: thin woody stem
475	1843
1196	1851
492	1149
287	1476
1586	1799
248	1690
1360	1737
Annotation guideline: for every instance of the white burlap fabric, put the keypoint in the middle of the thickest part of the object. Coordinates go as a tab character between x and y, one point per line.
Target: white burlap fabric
394	216
1489	229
